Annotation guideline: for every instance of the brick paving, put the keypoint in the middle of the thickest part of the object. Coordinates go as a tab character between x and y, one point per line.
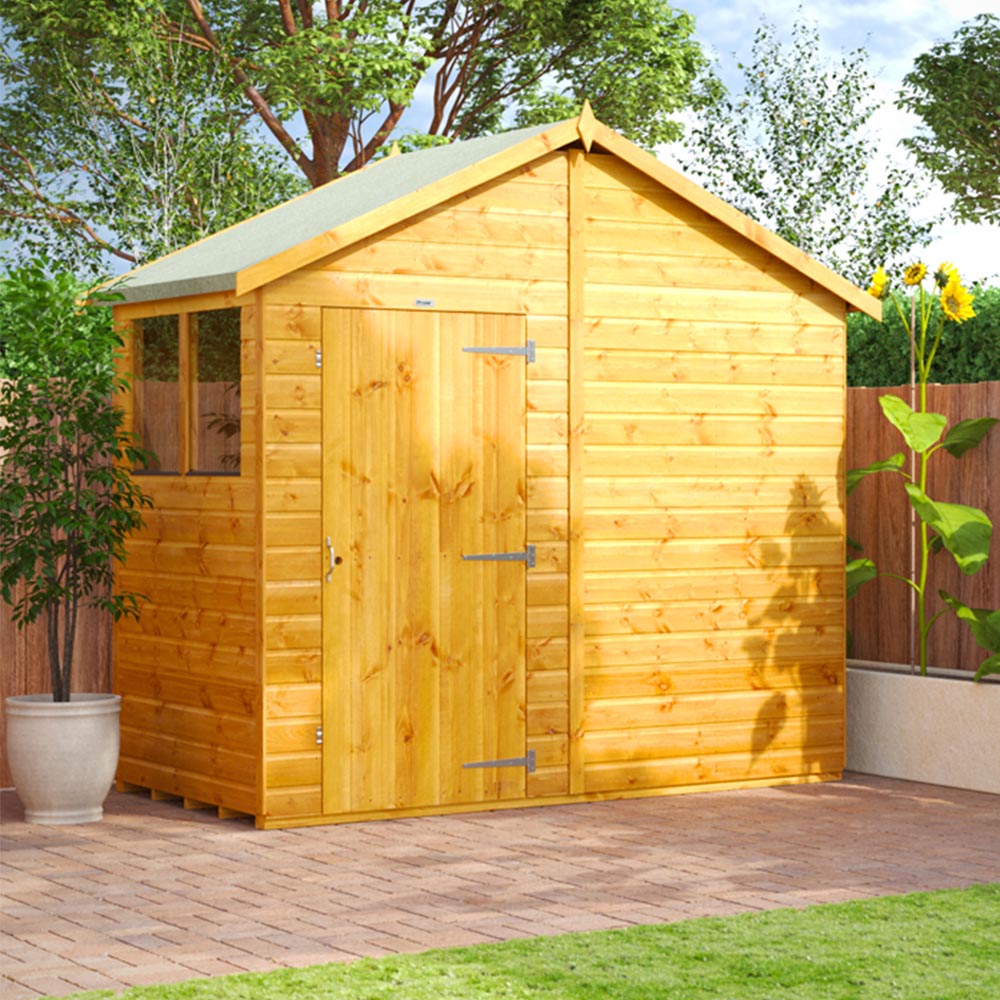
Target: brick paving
157	894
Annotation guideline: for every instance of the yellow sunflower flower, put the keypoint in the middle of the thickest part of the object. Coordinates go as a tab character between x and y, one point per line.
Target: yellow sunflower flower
956	301
880	282
914	274
945	273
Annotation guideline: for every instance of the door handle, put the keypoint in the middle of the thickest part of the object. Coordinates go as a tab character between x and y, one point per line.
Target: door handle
335	560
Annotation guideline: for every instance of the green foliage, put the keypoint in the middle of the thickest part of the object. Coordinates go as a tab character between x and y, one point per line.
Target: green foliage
351	70
794	151
985	627
67	501
966	434
955	90
964	531
410	142
859	572
120	140
922	945
892	464
919	430
341	67
878	354
636	62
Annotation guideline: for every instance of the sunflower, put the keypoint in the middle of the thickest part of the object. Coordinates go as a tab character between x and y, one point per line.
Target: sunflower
914	274
956	301
880	282
944	274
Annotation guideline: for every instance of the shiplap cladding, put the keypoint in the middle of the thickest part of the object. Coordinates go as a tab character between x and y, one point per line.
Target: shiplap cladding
714	644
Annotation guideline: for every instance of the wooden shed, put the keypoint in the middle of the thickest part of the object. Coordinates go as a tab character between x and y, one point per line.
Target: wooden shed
497	474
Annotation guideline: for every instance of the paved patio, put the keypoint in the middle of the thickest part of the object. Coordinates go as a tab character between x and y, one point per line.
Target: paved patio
157	894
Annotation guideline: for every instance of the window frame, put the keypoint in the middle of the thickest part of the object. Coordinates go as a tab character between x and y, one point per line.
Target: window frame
187	368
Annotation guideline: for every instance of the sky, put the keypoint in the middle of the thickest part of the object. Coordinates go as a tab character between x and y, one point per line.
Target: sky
894	33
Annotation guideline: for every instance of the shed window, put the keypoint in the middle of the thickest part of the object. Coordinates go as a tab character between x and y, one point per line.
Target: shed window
187	392
215	391
157	391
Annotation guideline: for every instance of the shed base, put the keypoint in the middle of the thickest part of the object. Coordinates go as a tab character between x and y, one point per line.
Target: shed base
158	795
280	823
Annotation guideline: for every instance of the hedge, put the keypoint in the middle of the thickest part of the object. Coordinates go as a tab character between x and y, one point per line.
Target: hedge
879	353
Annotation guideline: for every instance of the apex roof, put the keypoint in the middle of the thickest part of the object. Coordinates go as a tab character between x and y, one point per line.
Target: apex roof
357	205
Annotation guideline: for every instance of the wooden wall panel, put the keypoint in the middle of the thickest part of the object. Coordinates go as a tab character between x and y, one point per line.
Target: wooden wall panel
292	558
879	518
187	669
714	522
548	526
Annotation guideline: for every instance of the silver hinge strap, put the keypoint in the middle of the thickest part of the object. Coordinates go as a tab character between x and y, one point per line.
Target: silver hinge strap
527	556
528	351
527	761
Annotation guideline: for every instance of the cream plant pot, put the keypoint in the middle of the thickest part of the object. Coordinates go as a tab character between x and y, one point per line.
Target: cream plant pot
62	755
942	729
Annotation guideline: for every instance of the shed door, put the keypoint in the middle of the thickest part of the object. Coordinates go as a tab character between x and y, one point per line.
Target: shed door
424	653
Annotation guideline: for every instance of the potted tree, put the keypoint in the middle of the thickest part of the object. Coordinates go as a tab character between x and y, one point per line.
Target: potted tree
67	504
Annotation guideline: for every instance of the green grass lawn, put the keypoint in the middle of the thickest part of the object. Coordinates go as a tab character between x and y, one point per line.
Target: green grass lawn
924	946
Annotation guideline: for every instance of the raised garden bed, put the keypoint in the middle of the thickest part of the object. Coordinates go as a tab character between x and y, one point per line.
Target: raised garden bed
942	729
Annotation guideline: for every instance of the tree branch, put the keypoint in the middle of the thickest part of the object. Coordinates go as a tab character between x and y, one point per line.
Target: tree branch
51	211
267	115
390	121
288	17
113	106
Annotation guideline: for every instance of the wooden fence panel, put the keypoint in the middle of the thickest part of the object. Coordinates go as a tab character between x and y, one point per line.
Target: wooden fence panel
879	517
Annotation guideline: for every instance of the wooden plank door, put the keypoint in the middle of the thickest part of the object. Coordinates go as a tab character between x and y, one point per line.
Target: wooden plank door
424	652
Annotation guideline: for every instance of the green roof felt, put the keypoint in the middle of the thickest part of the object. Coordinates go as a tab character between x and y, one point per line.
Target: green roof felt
212	264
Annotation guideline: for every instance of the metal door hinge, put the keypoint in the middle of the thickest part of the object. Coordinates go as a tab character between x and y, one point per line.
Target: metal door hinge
527	352
319	359
527	761
527	556
319	736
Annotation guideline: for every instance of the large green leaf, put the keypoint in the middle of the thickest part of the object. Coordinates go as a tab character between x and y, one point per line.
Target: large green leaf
854	476
965	531
991	665
921	430
985	627
984	623
859	571
967	434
